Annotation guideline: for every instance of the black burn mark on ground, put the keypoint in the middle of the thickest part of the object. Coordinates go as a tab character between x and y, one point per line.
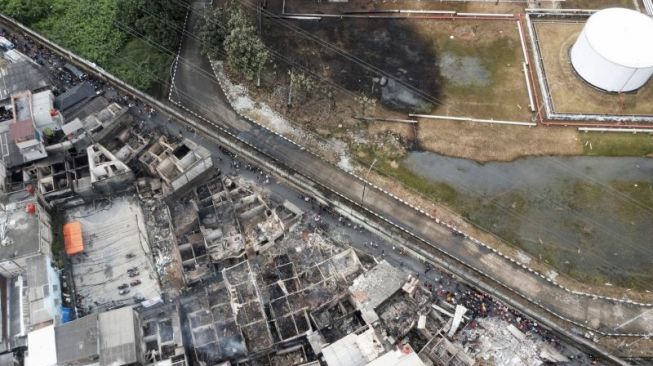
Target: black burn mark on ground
391	46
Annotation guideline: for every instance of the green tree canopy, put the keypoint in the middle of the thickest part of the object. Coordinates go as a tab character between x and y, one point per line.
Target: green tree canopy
212	30
85	26
25	11
160	21
229	29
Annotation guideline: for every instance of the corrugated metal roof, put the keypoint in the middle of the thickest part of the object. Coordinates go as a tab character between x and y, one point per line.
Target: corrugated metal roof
78	340
118	337
74	96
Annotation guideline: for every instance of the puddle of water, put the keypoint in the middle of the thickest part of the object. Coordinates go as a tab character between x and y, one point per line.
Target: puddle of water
591	217
463	70
397	96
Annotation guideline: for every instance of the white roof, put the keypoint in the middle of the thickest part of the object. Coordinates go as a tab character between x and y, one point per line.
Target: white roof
398	358
353	349
72	126
622	36
41	347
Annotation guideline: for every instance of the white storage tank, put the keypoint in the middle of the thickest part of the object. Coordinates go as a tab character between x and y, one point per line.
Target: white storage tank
614	52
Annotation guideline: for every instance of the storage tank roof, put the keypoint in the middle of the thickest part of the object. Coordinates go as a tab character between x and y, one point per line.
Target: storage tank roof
622	36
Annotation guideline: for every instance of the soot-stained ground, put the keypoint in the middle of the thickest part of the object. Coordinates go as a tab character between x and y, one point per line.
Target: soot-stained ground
382	58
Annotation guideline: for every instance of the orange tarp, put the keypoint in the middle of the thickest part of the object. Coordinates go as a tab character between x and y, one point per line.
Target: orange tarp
72	236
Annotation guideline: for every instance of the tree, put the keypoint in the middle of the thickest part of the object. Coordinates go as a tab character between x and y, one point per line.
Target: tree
212	31
25	11
140	65
245	50
85	26
230	30
159	21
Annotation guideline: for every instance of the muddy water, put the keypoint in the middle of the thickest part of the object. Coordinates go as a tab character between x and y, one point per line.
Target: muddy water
591	217
464	70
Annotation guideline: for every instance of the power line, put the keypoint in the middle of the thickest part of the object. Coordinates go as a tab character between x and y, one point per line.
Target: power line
578	215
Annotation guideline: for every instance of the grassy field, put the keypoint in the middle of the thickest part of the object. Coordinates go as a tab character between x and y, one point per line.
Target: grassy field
298	6
597	4
617	144
569	93
480	64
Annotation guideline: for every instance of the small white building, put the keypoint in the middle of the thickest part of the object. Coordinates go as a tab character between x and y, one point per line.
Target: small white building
614	52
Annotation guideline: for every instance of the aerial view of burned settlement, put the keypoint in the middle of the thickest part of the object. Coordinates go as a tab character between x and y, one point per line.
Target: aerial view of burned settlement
326	182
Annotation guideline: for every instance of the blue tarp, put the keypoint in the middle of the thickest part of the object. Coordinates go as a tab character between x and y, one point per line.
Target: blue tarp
66	314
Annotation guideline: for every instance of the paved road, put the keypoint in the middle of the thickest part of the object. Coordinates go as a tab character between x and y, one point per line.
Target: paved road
197	89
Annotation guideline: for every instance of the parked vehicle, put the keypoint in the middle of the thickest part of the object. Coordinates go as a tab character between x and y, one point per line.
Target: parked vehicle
73	70
6	44
124	291
135	283
123	286
133	274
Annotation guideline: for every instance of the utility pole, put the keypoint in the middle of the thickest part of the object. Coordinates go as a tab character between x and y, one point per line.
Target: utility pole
290	88
365	181
258	13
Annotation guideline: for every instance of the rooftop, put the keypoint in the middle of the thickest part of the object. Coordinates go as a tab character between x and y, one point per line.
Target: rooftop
78	340
355	349
19	76
19	230
404	357
21	130
22	108
85	109
44	291
371	289
114	242
118	338
41	345
74	97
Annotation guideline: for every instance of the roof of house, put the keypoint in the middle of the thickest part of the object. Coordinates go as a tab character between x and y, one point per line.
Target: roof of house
372	288
11	155
21	130
353	349
20	237
41	287
19	76
118	337
41	347
404	357
78	340
74	97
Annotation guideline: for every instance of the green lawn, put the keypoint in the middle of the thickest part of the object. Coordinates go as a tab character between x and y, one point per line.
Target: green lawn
617	144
